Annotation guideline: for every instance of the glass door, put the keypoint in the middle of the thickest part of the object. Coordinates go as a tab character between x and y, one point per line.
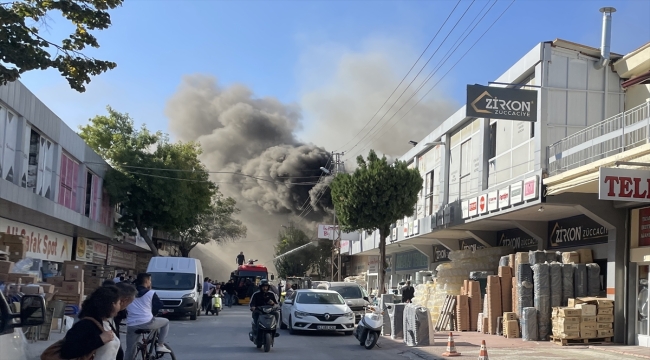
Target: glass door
642	306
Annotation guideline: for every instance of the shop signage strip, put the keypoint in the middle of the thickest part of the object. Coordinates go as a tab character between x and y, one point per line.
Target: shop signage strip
84	250
501	103
516	239
575	231
41	244
624	184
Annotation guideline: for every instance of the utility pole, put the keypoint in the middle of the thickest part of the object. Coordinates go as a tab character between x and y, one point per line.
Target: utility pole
336	252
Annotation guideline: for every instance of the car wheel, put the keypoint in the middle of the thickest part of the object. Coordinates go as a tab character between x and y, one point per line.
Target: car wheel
283	326
291	330
195	313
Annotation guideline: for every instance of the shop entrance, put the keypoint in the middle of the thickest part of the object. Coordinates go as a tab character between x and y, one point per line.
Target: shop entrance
642	306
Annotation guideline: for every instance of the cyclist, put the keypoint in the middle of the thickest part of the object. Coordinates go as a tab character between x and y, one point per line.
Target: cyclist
141	316
261	298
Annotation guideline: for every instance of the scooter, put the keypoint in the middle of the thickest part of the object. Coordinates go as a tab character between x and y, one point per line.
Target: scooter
264	333
369	328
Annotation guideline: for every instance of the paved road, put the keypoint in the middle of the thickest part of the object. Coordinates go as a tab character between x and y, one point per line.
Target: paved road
225	337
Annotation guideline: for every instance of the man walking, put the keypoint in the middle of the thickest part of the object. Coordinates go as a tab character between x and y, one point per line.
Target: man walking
241	258
408	292
207	291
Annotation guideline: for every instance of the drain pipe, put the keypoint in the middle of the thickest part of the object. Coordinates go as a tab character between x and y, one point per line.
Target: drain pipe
606	37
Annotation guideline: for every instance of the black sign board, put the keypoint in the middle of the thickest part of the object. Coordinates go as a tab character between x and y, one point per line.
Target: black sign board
440	253
516	239
471	244
575	231
501	103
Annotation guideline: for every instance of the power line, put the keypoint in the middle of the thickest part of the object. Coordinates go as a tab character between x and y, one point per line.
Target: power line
446	57
404	78
194	180
448	71
418	74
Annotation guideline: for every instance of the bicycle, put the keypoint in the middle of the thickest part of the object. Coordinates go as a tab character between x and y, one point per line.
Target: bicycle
146	348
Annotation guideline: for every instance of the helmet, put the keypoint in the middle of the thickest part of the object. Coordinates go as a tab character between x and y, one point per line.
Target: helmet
264	282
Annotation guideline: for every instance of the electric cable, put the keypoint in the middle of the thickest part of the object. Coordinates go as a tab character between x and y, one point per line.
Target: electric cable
416	76
404	78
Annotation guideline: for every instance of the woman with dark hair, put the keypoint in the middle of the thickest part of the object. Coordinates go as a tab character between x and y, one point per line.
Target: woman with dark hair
86	337
127	294
108	283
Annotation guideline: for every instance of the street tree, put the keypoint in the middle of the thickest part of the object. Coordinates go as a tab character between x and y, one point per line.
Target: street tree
158	184
23	47
216	225
299	262
323	261
375	196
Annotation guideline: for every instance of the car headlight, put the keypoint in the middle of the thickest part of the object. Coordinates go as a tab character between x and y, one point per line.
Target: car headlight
349	315
300	314
190	295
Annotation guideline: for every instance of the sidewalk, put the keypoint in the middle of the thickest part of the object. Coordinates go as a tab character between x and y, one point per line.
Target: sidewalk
35	349
500	348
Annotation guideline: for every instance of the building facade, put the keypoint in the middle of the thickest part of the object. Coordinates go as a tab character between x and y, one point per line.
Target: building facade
486	181
51	187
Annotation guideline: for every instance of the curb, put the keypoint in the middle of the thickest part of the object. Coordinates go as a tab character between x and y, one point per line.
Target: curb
621	352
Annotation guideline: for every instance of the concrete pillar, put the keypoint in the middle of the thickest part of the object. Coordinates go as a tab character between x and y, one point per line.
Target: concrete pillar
56	171
444	170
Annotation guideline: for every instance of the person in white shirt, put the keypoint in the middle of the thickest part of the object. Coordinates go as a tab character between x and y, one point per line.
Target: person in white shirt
207	291
141	316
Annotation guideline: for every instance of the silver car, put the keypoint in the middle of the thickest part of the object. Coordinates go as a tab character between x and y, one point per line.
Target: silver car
356	297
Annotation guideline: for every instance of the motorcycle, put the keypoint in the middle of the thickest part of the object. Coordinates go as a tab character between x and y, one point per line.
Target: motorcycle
264	333
369	328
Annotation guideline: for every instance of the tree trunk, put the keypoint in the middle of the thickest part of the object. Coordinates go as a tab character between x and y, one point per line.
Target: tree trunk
384	231
147	239
184	251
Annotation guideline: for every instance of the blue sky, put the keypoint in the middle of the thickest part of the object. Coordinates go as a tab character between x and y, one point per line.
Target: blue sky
288	49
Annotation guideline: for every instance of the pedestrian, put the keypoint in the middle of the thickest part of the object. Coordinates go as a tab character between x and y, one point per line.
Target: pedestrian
241	258
207	290
117	278
127	295
92	336
229	289
408	292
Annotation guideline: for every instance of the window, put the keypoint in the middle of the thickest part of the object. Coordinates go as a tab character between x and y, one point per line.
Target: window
493	140
92	196
32	160
348	292
8	138
172	281
319	298
69	173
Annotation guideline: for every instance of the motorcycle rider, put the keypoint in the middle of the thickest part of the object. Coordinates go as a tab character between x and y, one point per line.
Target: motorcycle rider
261	298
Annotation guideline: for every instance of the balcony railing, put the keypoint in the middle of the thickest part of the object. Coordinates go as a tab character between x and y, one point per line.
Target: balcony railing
619	133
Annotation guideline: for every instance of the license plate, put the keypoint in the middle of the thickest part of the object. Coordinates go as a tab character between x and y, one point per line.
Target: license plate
326	327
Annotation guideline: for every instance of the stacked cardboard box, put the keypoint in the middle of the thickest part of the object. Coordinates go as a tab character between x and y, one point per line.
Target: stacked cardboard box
94	276
588	324
493	298
505	277
462	313
72	287
475	302
604	314
566	323
17	246
510	325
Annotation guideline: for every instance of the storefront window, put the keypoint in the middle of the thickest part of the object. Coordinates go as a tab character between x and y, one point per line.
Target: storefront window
642	306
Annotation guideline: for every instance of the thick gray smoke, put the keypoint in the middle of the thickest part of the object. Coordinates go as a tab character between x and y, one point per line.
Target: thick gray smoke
275	173
257	137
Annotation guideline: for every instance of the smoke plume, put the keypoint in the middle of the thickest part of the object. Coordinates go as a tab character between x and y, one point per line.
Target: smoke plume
259	138
265	168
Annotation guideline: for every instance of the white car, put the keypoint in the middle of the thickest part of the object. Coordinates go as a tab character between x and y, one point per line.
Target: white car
316	310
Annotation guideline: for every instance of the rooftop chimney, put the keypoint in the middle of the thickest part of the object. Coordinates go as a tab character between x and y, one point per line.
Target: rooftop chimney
606	37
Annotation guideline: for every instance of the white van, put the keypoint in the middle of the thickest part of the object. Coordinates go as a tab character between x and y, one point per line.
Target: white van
178	281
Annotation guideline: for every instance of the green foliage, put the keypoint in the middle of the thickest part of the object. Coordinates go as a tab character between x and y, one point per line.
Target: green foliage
298	263
23	49
375	196
216	225
145	179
